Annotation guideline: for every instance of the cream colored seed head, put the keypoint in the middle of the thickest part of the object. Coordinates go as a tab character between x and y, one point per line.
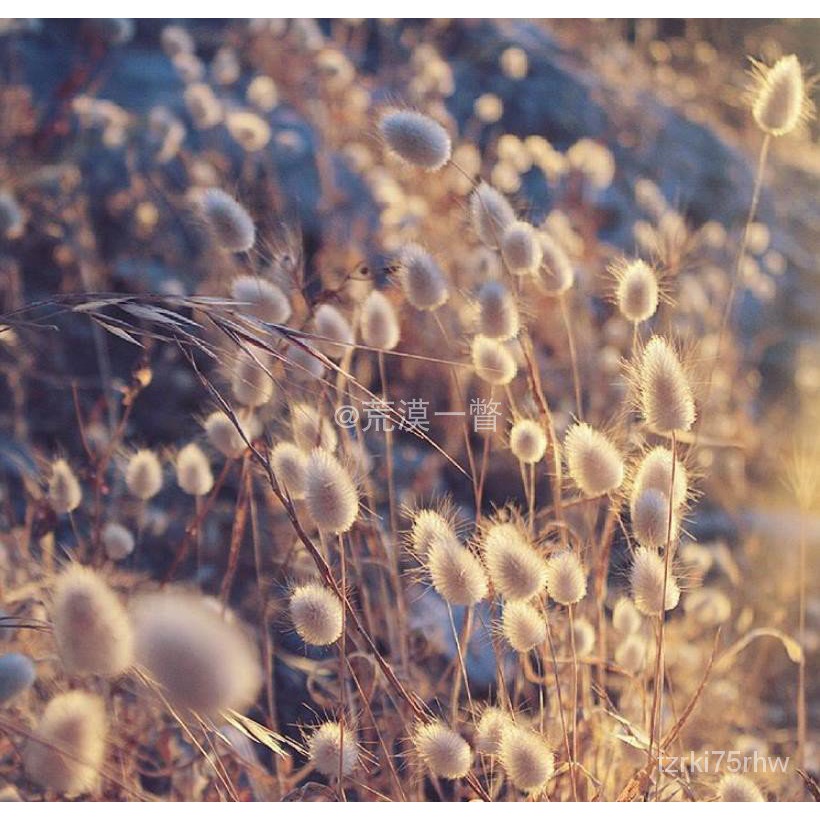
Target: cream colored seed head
380	325
637	291
415	138
523	626
498	313
566	578
317	614
489	730
521	248
527	759
143	474
665	396
251	383
330	324
738	788
289	465
445	753
780	101
492	361
651	519
193	469
594	462
455	573
330	494
230	224
528	441
333	750
64	491
646	580
654	472
491	214
261	299
422	280
517	570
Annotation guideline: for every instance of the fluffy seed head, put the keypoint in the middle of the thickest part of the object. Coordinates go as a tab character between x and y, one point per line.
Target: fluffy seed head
631	653
261	299
523	626
117	540
636	290
566	578
230	224
490	727
330	494
193	469
625	617
584	633
289	464
64	492
332	750
91	629
490	213
517	570
737	788
311	429
594	462
416	139
498	313
456	574
316	613
143	474
528	441
203	106
650	519
380	325
527	759
646	581
250	383
708	607
445	753
780	101
201	660
521	248
422	280
68	752
559	274
428	527
492	361
664	392
17	674
249	130
223	435
654	472
330	323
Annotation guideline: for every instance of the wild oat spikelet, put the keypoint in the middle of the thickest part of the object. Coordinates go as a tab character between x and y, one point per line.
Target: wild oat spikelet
521	248
737	788
445	753
780	101
415	138
422	280
143	474
498	313
332	750
316	613
289	464
91	628
654	472
492	361
332	326
646	581
559	273
251	383
650	519
64	492
527	759
490	213
68	751
200	658
311	428
330	494
261	299
594	462
523	626
528	441
665	396
17	674
380	324
489	730
117	540
625	617
229	222
455	573
516	568
193	470
566	578
636	290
